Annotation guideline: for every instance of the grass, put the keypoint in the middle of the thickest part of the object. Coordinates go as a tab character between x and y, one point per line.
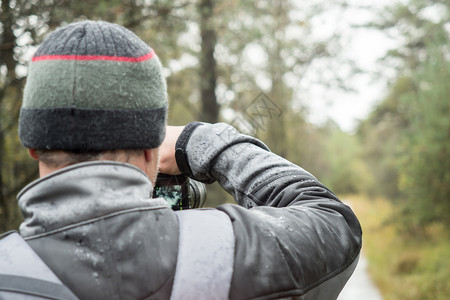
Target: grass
403	266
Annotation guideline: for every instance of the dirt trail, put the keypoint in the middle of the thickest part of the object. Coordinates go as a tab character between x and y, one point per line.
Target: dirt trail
360	286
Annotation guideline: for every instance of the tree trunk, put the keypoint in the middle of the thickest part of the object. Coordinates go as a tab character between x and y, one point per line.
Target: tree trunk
7	43
207	70
4	211
279	93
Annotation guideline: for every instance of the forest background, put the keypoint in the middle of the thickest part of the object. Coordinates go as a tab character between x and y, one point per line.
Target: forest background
253	64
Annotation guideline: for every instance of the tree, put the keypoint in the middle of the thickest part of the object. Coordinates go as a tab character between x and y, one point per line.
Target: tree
416	112
21	22
381	135
267	47
207	68
425	167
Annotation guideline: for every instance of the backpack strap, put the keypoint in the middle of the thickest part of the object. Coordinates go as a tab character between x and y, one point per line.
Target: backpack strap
205	255
22	272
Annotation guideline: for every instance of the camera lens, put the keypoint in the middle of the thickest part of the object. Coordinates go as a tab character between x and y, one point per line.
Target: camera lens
197	194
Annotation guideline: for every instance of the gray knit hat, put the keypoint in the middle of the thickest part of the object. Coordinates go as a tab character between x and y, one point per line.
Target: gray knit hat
93	86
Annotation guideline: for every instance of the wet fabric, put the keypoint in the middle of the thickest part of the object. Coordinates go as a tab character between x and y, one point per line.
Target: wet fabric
292	236
23	275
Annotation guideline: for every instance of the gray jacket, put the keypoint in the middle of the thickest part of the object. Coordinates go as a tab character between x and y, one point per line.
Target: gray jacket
97	228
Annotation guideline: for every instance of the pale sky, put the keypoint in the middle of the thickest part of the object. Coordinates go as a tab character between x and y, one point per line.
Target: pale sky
347	107
365	46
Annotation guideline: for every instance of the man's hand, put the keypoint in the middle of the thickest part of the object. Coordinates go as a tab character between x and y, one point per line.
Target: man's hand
167	162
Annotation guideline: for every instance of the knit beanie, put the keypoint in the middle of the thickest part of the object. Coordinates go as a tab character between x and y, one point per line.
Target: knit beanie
93	86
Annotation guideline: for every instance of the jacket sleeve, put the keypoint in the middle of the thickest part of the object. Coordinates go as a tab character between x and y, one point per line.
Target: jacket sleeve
293	236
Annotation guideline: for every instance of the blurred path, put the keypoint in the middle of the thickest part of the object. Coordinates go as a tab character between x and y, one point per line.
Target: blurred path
360	286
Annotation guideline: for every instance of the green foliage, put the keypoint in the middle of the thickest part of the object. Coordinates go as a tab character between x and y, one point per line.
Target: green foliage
381	135
17	168
404	267
333	156
415	24
408	135
407	145
257	51
347	171
425	167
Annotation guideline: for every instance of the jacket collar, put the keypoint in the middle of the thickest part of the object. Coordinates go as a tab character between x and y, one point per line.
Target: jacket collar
82	192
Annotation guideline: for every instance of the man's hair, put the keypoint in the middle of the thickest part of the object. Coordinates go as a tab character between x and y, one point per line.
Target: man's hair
58	158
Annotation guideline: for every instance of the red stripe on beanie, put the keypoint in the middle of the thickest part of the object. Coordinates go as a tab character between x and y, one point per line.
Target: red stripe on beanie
95	57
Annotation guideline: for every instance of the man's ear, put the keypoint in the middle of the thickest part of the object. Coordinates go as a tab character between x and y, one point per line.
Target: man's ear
33	154
148	155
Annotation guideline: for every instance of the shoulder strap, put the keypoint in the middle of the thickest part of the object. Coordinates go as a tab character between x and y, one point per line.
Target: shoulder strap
205	255
22	272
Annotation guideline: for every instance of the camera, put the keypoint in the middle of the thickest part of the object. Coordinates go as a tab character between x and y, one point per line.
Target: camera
180	191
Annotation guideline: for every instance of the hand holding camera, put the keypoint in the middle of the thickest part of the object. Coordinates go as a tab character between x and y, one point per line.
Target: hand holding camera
178	190
167	162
